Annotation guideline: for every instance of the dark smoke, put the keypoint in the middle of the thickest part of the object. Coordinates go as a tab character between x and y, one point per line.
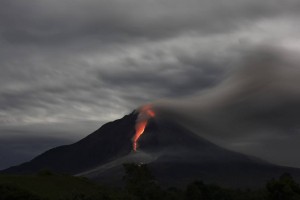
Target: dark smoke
255	110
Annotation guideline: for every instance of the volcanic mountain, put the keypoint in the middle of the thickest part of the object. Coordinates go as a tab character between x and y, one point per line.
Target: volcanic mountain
175	155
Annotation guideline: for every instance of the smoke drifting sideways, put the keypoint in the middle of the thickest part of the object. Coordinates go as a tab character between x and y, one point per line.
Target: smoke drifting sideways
255	110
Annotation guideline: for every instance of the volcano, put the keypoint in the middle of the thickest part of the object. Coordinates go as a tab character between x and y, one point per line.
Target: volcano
174	154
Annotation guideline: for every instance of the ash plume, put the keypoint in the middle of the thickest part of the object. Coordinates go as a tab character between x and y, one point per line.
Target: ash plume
255	110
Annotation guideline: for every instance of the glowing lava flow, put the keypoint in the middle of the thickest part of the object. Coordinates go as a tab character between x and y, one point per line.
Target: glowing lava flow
145	114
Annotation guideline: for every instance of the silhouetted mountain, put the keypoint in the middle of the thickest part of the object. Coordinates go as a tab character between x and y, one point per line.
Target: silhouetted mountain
109	142
176	156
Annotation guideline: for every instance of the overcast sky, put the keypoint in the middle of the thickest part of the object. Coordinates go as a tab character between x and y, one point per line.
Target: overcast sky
68	66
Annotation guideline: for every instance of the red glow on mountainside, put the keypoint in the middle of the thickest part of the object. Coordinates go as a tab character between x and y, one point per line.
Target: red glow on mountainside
145	114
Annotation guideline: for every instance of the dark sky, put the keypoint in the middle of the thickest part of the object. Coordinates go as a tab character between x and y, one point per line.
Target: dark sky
68	66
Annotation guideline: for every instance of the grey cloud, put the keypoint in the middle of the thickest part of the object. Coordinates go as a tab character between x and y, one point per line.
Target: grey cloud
55	22
51	86
164	78
257	106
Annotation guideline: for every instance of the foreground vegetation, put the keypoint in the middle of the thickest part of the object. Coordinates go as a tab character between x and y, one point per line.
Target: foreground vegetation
139	184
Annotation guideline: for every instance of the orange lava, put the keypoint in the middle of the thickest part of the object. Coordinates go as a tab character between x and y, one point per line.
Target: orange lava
139	130
144	115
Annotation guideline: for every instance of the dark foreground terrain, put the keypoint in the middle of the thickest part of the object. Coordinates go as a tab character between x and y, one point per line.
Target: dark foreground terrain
139	183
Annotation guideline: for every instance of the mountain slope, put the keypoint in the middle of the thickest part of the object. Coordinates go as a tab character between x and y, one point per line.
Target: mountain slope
109	142
176	156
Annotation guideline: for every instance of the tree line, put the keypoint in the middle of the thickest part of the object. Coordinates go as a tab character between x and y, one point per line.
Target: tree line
140	184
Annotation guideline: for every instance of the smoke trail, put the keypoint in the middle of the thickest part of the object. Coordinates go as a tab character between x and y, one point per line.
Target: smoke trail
254	110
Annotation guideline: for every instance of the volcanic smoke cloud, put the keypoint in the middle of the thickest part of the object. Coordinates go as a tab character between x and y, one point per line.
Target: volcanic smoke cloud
255	110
